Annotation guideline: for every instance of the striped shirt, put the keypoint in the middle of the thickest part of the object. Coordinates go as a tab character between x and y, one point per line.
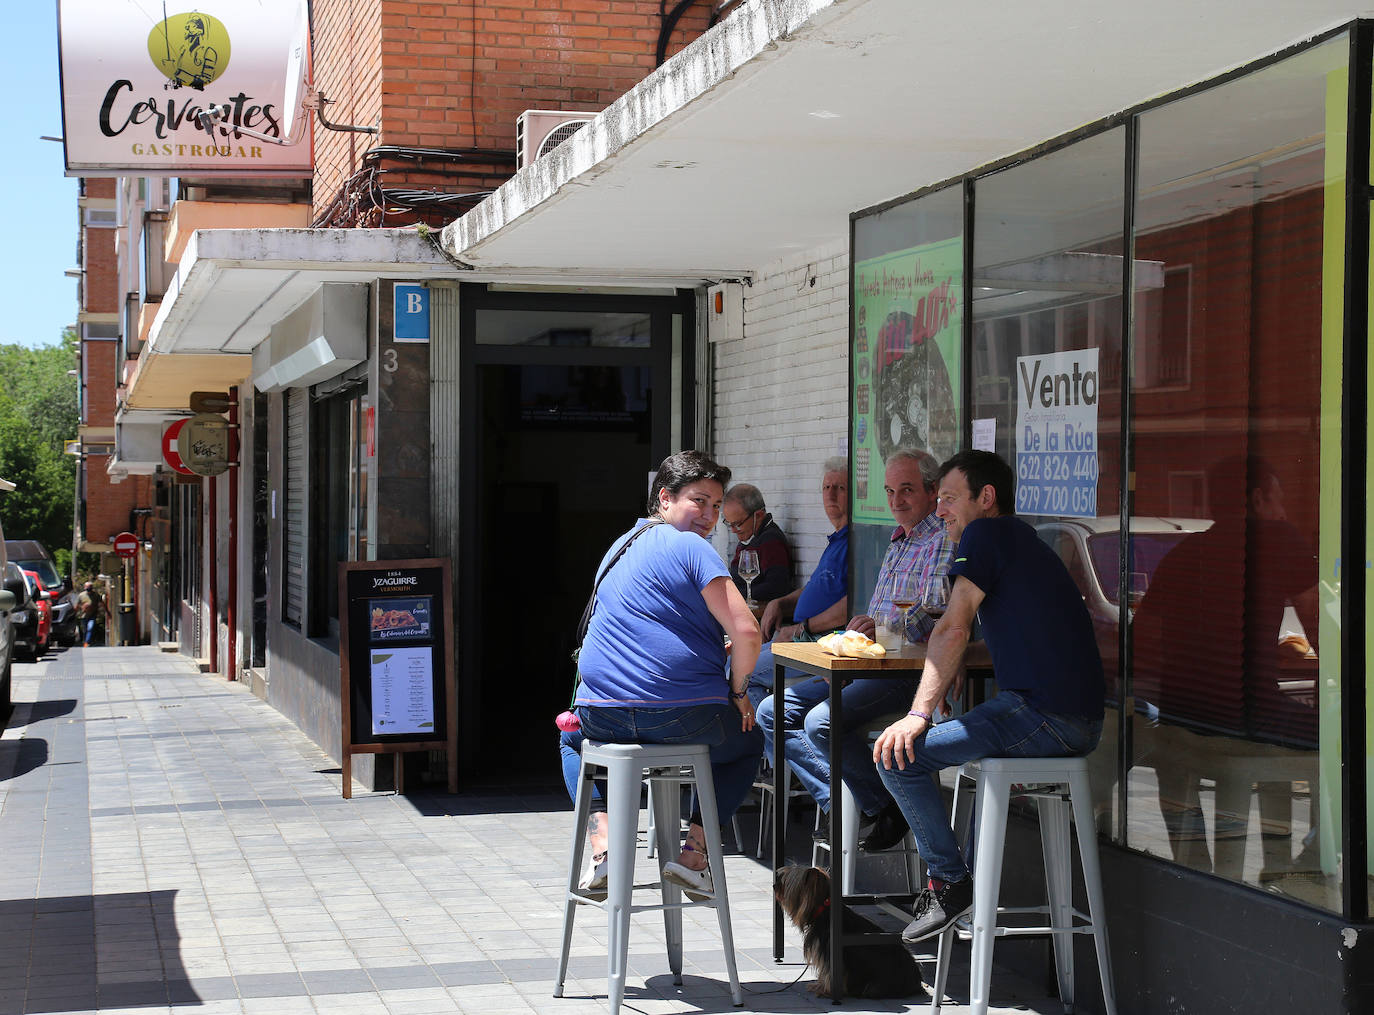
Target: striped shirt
926	551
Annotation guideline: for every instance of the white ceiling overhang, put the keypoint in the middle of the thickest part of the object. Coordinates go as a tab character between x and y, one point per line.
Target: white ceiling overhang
233	285
758	141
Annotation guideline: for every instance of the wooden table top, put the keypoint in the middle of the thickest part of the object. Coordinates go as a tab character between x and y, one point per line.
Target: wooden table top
814	659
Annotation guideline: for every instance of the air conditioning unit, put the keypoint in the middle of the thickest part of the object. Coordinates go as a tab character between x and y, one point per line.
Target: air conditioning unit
540	131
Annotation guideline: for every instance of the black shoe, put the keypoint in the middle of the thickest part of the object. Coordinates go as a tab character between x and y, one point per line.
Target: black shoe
938	908
866	826
888	829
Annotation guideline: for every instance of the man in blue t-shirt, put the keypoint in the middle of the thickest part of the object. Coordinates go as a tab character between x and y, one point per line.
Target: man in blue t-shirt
1049	674
822	604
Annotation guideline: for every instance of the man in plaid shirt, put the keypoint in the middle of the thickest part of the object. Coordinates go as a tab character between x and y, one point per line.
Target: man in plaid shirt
919	550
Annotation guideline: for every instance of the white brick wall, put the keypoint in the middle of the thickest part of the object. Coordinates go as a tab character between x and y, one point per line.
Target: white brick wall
781	398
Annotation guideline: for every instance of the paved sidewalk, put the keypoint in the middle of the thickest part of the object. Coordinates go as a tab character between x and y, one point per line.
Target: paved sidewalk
168	842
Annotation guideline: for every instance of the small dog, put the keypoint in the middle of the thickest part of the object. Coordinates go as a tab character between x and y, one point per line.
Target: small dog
880	970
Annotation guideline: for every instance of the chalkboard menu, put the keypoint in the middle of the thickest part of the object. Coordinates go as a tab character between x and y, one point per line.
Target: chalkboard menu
396	656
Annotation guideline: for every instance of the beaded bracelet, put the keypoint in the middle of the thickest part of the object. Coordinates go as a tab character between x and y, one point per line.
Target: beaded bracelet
921	715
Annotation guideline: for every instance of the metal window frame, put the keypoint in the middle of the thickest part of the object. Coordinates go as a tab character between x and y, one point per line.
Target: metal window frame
1354	437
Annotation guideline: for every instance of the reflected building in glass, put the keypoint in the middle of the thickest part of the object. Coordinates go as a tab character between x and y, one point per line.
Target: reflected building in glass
1156	335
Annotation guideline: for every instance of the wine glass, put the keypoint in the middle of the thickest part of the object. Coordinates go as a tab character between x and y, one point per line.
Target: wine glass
749	570
935	597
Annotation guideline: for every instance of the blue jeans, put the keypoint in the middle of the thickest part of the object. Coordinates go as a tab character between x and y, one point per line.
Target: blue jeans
734	753
806	734
570	747
1005	727
760	684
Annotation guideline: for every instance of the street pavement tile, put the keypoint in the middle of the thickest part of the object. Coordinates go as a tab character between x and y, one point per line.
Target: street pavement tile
270	984
476	971
337	981
199	854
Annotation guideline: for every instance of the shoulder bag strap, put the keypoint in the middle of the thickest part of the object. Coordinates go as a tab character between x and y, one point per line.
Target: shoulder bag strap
590	608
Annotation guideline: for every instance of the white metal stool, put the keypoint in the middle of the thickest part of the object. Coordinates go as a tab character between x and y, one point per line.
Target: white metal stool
1061	784
852	818
626	766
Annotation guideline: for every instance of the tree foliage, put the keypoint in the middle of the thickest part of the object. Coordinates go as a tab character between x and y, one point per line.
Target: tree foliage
38	413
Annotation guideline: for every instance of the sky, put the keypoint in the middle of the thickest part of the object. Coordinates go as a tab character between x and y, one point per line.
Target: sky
40	242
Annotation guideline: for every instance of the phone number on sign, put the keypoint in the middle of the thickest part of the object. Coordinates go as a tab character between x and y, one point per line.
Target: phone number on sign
1052	467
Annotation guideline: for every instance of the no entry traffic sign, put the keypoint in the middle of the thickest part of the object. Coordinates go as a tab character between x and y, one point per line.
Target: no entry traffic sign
126	545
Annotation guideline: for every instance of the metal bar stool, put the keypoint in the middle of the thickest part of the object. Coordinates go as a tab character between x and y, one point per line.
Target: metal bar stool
626	767
1058	785
853	818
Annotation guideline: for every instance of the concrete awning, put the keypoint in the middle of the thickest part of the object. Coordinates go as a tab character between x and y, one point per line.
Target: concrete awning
758	140
232	285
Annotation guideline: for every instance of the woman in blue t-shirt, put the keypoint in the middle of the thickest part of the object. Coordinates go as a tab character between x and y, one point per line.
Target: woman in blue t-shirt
654	661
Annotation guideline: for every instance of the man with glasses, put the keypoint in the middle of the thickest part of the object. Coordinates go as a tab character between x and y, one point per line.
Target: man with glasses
917	552
746	517
1049	673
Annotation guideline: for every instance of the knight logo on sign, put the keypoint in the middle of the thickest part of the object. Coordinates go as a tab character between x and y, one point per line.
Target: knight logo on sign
126	545
137	82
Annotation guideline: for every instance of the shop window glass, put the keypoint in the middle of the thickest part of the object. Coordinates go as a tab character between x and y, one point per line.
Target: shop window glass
340	512
1234	704
1048	278
906	344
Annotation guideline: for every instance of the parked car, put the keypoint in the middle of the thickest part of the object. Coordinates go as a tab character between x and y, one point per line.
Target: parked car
32	555
7	603
43	603
24	616
1091	549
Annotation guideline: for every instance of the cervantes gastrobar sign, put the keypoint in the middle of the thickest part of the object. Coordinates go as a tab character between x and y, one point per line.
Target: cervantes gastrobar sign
138	77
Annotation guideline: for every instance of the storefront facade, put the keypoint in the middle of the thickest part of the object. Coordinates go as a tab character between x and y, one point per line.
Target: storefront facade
1152	320
1190	278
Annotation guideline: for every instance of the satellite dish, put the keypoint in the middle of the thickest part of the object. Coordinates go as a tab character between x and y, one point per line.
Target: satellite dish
297	63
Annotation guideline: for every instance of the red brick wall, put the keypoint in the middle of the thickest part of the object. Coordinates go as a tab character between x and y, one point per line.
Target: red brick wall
1255	352
101	283
108	504
456	75
347	70
99	397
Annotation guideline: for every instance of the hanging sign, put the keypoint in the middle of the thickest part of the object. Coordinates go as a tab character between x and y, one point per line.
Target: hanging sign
169	449
182	89
203	444
1056	434
210	401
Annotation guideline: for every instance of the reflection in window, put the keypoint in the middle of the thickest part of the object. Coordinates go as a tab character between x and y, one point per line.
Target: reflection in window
1047	284
1228	741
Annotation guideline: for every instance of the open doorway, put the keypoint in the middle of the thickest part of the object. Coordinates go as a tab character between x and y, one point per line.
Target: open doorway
572	402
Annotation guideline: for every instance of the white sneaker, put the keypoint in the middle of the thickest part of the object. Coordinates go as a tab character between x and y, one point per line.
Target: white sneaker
594	878
697	884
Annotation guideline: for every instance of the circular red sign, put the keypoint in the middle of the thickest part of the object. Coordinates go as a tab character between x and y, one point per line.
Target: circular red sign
126	544
169	448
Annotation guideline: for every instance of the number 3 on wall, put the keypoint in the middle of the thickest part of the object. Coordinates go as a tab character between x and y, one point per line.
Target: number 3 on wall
389	363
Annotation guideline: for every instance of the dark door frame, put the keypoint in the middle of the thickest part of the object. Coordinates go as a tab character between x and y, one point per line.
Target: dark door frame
658	356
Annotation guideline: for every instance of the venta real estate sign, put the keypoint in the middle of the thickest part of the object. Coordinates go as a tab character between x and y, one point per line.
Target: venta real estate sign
137	75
